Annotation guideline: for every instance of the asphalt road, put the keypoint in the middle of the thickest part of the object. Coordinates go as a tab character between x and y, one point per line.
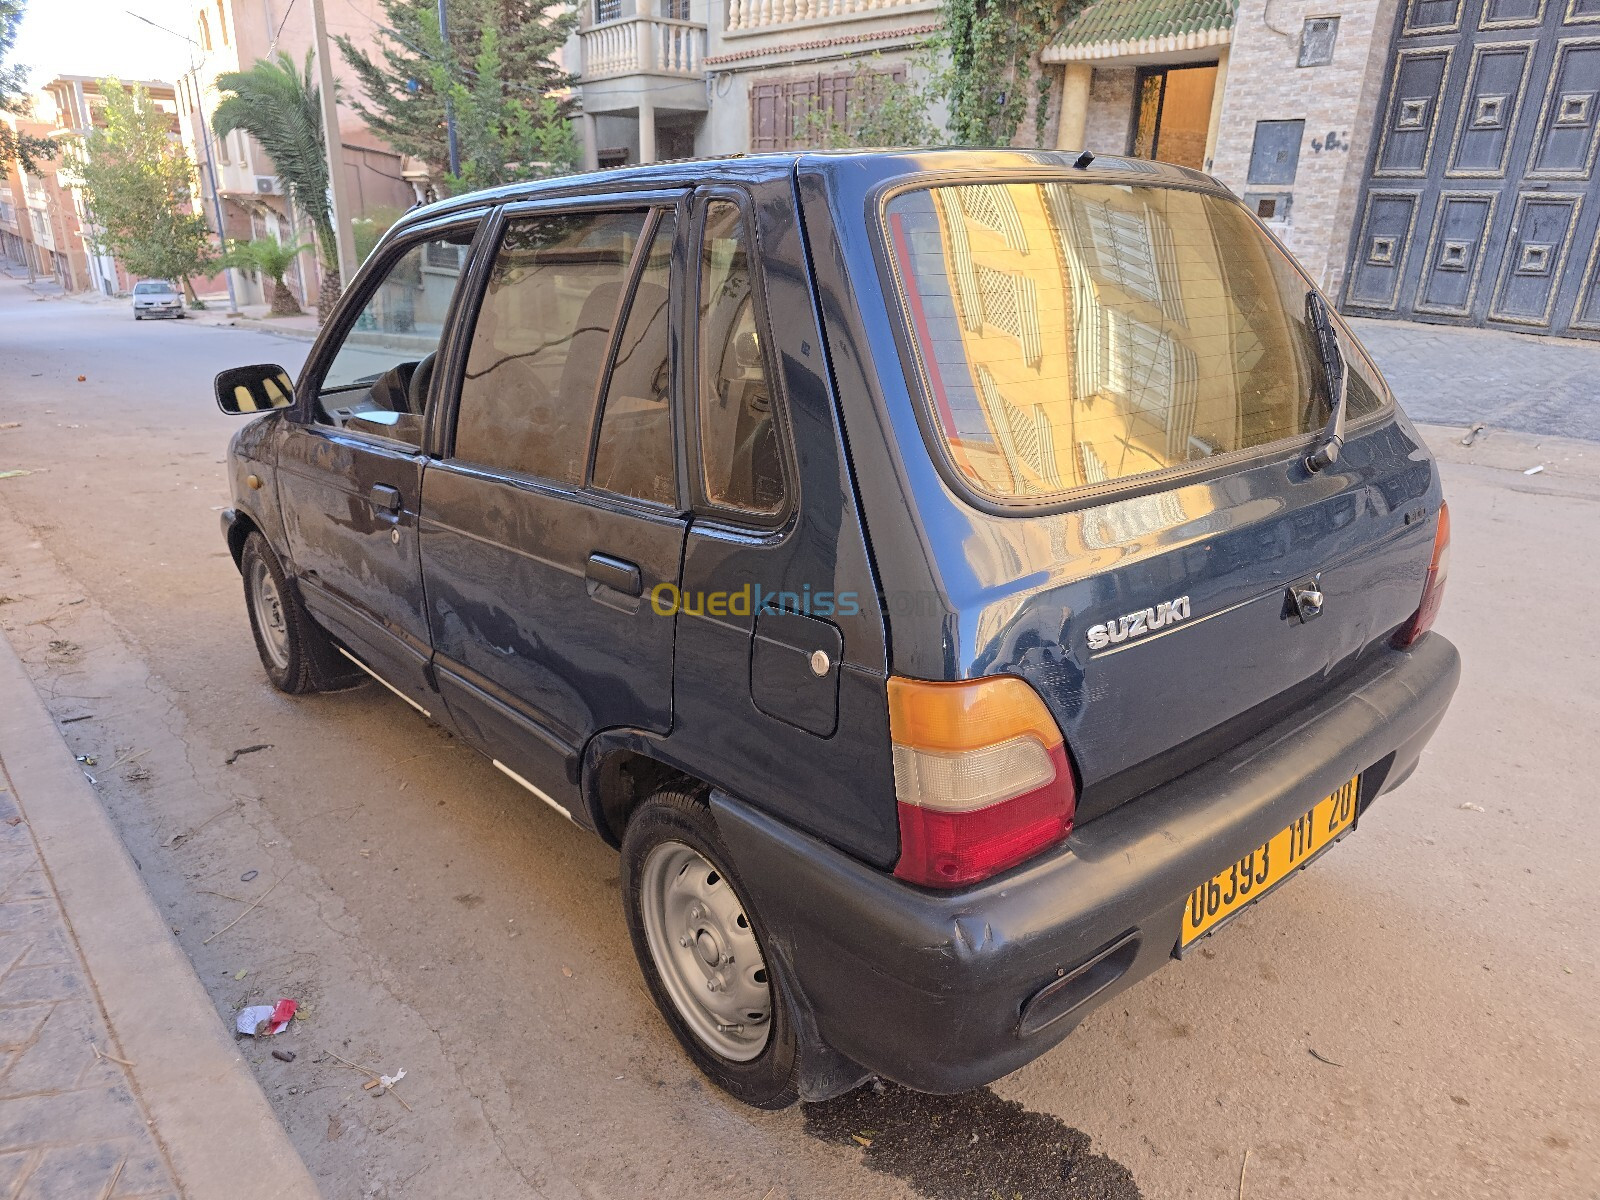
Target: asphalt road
1413	1017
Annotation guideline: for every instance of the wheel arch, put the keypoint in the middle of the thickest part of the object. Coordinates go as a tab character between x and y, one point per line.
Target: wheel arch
239	531
621	769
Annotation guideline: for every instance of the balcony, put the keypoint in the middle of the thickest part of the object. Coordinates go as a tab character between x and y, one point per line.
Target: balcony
764	14
643	46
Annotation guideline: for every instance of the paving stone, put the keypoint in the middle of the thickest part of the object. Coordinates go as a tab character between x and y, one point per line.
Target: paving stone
76	1172
14	1168
30	985
1450	376
48	948
83	1115
21	1024
62	1055
69	1122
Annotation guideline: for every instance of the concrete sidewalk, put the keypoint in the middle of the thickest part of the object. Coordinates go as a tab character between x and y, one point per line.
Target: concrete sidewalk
117	1077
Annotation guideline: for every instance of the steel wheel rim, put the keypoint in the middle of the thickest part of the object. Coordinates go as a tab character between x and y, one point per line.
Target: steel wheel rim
268	605
706	952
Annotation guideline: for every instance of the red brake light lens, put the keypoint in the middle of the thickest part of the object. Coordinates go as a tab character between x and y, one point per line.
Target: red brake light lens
1432	588
981	778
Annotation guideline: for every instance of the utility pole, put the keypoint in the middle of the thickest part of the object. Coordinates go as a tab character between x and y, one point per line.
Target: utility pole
338	186
210	155
449	109
211	178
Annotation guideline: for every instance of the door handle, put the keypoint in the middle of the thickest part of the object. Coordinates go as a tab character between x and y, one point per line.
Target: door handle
615	573
385	498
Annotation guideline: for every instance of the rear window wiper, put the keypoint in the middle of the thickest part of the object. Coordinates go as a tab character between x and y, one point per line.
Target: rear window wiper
1336	374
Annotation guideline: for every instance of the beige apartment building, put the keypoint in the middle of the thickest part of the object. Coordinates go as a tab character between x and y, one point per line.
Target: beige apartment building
230	35
663	79
1432	160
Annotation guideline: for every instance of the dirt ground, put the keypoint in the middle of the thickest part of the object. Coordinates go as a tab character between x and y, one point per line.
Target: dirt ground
1413	1017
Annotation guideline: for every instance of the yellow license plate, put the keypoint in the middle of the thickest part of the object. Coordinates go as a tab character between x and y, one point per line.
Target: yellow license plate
1226	892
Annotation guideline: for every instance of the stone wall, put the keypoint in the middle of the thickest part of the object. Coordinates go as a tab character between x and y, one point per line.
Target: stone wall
1110	110
1337	102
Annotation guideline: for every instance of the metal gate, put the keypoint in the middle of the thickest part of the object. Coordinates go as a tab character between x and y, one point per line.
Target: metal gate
1480	204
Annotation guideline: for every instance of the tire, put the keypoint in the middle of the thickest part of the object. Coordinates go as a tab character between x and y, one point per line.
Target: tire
689	924
295	652
138	316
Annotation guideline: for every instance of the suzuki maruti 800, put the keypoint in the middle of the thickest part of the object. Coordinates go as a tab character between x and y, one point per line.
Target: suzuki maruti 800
958	582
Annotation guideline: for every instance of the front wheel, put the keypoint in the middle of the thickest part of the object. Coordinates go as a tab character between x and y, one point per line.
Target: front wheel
298	656
700	947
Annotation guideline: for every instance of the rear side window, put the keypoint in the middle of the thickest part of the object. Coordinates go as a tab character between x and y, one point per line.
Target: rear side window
739	447
634	454
1073	335
539	345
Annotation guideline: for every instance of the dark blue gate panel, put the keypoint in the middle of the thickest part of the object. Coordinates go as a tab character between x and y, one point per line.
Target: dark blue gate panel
1481	204
1454	266
1406	140
1565	143
1381	248
1531	271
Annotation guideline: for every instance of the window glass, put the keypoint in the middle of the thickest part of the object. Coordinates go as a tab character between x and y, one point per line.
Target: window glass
634	453
738	440
1073	335
533	370
378	381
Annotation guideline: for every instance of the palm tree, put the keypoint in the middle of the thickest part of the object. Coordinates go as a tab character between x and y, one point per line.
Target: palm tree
277	103
272	259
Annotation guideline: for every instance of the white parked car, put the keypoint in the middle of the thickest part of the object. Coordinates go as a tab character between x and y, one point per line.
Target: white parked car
156	298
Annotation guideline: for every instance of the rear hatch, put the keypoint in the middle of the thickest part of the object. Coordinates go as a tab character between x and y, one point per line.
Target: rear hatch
1121	387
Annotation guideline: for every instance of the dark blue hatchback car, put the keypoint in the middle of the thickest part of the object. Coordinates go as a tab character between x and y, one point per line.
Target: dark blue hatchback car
957	581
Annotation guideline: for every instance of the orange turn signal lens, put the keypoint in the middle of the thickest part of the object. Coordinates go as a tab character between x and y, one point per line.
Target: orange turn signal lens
967	715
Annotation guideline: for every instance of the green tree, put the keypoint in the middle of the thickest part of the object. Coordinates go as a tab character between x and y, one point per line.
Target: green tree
139	187
18	147
279	105
497	72
994	76
268	257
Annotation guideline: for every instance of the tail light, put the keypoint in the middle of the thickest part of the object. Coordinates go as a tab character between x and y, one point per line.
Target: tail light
981	778
1432	588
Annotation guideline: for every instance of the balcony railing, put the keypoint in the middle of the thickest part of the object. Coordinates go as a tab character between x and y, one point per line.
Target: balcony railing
759	14
643	45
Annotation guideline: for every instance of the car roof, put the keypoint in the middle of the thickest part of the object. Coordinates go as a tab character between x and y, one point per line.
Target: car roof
863	166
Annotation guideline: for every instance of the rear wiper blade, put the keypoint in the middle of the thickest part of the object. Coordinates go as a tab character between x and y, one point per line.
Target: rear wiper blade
1336	374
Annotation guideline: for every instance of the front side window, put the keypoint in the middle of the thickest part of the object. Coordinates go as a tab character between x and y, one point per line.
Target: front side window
633	456
379	379
539	346
739	447
1073	335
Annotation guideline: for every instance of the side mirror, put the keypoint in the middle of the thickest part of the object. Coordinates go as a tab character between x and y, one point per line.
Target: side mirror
259	388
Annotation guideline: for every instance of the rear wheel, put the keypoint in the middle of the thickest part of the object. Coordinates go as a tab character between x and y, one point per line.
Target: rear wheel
700	947
298	656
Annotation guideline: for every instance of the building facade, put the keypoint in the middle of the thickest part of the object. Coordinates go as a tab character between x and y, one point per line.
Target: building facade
1432	160
662	79
44	223
236	175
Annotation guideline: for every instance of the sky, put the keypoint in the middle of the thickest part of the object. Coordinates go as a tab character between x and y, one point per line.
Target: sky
99	37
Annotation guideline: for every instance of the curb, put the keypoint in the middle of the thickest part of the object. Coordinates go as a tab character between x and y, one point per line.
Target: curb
206	1108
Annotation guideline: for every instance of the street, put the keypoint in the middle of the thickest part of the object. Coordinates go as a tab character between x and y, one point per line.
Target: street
1412	1017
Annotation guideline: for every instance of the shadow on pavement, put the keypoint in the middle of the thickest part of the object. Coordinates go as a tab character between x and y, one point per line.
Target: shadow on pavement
969	1147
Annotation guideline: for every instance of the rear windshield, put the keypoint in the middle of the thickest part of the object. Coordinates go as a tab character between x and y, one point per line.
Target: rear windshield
151	286
1078	335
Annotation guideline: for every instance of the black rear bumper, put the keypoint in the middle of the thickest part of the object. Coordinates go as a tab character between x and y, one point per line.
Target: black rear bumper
932	989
